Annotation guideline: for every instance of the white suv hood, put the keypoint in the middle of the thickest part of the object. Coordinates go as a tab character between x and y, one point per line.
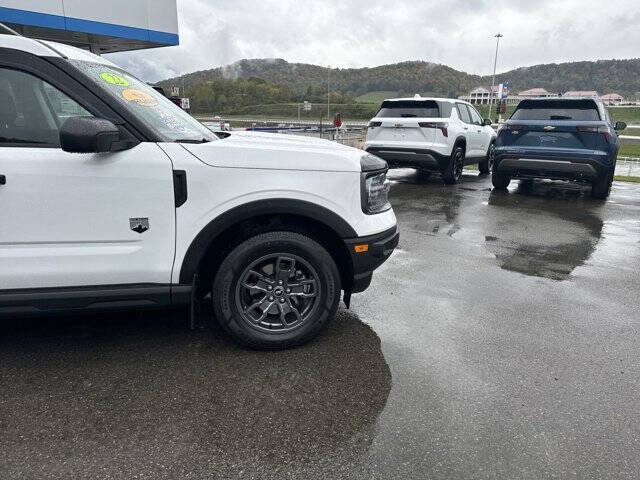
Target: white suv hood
278	152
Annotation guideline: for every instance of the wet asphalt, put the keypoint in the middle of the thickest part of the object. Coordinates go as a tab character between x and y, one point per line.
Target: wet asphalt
499	341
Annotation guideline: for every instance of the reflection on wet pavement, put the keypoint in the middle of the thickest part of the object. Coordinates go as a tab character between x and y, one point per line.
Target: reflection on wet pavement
499	369
539	228
140	394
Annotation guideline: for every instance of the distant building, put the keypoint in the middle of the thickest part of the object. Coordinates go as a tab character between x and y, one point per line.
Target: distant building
479	95
483	95
580	93
612	99
536	93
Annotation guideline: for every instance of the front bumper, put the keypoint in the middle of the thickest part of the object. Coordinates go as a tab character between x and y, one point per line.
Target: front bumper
555	167
380	247
423	159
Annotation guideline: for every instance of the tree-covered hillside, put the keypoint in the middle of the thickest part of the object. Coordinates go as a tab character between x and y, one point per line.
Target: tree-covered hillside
268	81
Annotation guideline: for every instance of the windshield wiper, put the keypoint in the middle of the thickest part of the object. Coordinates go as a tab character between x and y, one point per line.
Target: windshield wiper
192	140
560	117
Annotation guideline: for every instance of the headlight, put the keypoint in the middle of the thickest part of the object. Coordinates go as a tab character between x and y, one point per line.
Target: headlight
375	192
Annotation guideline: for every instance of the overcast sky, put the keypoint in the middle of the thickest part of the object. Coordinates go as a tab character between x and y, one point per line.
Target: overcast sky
359	33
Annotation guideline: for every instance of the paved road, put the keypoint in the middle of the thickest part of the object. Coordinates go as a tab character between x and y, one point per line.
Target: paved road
500	341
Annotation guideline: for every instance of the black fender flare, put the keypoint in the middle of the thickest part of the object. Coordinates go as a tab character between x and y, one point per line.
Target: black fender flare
460	139
278	206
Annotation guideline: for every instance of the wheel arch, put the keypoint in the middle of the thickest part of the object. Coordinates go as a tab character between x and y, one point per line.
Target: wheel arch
460	140
224	232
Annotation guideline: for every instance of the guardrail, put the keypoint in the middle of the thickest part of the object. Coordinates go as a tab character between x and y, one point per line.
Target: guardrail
628	167
282	125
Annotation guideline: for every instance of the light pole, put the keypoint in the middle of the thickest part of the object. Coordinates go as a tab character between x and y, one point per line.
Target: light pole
493	80
328	94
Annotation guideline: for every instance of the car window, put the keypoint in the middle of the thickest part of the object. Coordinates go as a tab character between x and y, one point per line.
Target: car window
463	113
61	105
475	116
32	111
409	109
569	110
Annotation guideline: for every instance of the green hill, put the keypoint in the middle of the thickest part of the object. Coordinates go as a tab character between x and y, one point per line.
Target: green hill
266	81
621	76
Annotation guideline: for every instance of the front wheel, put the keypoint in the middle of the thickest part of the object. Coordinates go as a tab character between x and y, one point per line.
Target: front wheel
276	290
453	173
486	165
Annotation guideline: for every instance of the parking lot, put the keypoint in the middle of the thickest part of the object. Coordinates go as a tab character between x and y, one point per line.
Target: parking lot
500	341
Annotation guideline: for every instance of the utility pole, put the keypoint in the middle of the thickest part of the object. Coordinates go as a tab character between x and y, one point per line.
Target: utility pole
328	95
493	80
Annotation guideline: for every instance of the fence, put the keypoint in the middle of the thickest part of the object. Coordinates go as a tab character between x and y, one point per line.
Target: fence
628	167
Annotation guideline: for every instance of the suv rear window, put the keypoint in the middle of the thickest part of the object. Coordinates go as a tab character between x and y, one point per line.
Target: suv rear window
409	108
571	110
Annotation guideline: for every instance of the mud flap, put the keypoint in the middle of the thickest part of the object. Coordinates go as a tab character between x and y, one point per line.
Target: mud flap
347	299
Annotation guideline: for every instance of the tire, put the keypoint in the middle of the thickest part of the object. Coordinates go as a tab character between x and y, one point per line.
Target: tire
276	290
601	188
500	182
486	165
453	173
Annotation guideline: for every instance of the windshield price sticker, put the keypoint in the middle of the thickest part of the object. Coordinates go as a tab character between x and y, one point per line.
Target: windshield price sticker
141	98
114	79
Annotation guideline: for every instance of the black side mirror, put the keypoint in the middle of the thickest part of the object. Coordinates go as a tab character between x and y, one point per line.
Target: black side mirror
89	135
487	122
620	126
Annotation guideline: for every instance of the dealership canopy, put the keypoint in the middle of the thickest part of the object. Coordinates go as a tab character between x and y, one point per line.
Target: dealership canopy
102	26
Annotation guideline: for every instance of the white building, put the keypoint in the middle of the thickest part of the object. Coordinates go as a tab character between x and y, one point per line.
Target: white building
102	26
612	99
536	93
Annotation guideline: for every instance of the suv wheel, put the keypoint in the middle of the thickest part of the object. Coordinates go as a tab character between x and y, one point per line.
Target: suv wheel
602	187
486	165
276	290
501	182
453	172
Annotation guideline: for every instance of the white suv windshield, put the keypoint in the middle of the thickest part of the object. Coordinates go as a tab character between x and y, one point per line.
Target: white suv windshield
167	119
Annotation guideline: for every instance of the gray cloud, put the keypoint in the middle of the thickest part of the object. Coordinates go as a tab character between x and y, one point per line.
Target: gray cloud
358	33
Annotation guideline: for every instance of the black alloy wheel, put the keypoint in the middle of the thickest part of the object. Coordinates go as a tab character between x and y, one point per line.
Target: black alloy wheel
278	292
453	173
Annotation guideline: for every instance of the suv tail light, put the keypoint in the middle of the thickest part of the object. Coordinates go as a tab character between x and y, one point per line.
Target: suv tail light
442	126
593	129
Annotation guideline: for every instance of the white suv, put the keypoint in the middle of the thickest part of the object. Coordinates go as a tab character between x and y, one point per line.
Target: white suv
433	135
112	197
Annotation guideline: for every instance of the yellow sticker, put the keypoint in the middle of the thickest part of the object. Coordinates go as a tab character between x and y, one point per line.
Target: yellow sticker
140	97
114	79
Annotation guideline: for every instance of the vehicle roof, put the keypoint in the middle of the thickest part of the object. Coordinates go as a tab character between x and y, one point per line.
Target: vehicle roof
435	99
45	48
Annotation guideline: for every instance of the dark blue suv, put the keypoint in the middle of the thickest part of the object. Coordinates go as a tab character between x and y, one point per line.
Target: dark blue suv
561	139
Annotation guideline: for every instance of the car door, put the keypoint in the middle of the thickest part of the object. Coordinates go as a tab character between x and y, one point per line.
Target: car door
468	129
76	219
477	131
